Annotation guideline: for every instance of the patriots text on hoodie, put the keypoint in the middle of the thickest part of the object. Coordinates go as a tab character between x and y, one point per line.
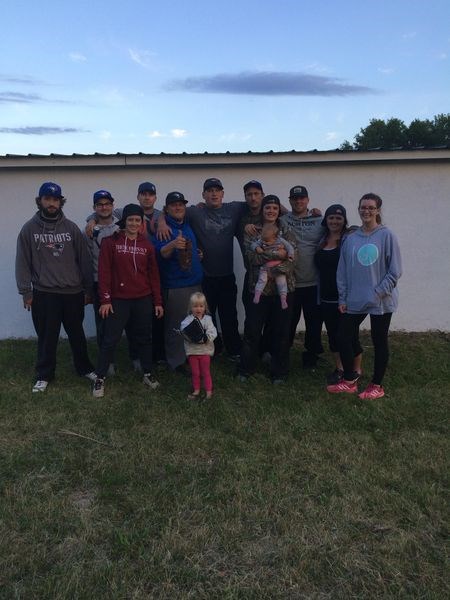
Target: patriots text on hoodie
52	256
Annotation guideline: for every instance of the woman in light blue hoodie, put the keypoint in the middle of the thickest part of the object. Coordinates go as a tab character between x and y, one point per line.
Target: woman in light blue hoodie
368	272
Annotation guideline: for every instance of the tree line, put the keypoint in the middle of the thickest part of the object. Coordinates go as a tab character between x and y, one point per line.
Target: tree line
393	133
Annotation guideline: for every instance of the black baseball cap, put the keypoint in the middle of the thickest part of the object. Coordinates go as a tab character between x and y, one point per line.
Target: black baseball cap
298	191
253	184
270	199
335	209
173	197
212	182
128	211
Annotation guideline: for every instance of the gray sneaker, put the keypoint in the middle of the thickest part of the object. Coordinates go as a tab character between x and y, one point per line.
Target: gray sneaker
39	386
98	391
149	380
111	370
137	365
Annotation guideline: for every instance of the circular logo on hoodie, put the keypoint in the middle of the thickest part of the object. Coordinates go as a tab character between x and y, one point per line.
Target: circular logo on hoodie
367	255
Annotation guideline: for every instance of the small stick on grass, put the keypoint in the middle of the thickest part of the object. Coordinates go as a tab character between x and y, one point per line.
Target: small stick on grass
85	437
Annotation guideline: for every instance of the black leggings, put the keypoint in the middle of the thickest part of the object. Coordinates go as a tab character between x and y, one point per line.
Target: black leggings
349	332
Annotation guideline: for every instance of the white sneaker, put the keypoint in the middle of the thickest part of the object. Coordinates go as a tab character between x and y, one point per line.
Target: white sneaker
98	391
150	381
91	376
40	386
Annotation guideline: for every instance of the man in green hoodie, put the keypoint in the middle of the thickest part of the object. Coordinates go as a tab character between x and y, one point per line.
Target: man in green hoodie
54	277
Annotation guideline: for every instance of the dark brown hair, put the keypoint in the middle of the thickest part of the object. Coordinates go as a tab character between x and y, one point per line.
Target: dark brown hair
378	201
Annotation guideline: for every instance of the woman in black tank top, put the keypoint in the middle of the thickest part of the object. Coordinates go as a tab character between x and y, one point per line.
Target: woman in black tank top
326	259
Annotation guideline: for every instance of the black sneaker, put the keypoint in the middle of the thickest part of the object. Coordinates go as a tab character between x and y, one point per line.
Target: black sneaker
309	360
335	377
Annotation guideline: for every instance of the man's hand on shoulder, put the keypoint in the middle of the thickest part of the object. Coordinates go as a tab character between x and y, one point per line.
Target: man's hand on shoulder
89	229
252	230
163	231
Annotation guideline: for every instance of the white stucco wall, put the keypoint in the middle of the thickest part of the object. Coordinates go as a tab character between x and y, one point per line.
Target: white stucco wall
415	193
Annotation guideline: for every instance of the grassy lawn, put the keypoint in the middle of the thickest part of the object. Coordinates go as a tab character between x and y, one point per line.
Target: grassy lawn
265	492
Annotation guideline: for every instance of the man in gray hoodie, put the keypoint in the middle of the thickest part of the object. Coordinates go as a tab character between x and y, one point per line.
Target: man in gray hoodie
307	228
106	225
54	277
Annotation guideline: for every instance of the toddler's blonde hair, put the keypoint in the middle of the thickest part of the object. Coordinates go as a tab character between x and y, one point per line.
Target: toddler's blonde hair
197	297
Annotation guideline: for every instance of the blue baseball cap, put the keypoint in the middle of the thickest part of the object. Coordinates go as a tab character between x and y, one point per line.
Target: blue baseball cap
146	187
50	189
102	195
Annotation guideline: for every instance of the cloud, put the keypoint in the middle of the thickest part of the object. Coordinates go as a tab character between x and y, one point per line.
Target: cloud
105	135
23	80
174	133
77	57
178	133
442	56
268	83
331	135
144	58
156	134
385	70
21	98
235	137
316	67
41	130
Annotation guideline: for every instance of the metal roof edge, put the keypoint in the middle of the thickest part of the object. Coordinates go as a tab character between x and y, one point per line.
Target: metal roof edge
226	159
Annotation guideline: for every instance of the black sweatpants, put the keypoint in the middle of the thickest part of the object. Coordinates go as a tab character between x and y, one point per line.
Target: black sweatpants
221	295
305	298
49	311
332	317
349	332
138	312
257	316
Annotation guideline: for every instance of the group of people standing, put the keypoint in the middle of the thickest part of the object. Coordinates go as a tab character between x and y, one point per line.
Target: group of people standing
145	269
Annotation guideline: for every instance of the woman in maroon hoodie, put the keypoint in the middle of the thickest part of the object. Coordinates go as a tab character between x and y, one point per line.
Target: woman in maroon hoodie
128	286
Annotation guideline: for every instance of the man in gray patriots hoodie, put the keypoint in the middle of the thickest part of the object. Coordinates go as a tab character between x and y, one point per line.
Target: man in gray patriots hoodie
54	277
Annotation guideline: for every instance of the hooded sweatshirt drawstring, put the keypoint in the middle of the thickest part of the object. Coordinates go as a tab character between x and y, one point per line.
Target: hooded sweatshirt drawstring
134	252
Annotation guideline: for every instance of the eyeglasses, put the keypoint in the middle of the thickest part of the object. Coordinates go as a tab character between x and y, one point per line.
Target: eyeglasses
369	208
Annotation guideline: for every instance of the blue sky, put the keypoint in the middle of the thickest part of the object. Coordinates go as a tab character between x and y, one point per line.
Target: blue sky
151	76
